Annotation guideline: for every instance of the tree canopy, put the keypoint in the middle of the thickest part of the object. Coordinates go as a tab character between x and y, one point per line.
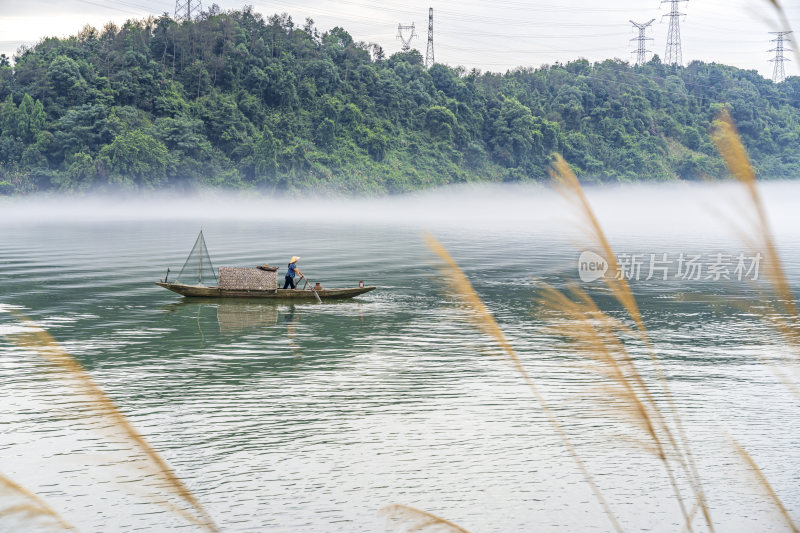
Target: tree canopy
235	100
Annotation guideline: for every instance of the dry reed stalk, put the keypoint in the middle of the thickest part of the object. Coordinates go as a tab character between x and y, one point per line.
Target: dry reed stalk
570	188
784	316
783	312
38	340
775	320
762	480
411	520
783	376
483	320
596	337
669	446
33	507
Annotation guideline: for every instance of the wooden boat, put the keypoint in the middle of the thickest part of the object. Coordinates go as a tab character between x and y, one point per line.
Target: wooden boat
238	282
288	294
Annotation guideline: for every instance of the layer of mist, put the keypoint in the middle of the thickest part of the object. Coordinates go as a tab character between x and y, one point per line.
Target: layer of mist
661	209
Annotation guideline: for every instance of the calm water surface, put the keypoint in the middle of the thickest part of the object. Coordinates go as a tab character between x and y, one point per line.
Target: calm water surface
306	417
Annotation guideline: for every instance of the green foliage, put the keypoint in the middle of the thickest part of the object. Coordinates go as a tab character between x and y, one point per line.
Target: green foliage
376	145
135	159
24	122
65	75
325	133
8	117
236	100
80	175
266	163
30	118
440	122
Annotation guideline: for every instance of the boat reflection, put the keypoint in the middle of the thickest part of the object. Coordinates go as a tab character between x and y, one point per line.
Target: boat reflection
233	316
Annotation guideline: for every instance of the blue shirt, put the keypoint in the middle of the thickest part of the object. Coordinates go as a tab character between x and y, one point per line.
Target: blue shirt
291	273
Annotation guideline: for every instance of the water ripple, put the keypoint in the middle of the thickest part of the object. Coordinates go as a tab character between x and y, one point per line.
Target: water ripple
307	417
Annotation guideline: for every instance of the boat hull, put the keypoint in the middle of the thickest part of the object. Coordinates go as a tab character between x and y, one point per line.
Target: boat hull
281	294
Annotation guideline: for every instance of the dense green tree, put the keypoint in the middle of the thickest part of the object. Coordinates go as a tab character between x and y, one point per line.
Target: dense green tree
135	158
325	133
440	122
266	163
64	74
81	174
8	117
235	99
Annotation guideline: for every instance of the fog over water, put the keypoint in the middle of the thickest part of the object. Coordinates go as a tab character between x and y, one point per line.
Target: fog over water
289	417
661	207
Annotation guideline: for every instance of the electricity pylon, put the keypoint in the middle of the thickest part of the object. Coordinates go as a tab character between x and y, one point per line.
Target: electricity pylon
673	55
429	53
778	73
641	51
187	9
406	42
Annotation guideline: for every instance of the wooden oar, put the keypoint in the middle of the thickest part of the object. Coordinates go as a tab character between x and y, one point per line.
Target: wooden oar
312	289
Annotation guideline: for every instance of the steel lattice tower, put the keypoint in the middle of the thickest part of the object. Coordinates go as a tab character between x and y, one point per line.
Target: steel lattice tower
187	9
406	42
641	52
779	74
429	53
673	55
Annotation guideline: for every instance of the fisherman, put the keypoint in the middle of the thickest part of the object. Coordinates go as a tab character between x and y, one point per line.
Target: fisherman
291	272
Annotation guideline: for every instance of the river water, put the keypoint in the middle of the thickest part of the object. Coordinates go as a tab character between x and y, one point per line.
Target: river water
307	417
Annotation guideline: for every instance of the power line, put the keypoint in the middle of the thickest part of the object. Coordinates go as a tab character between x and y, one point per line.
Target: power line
673	55
541	49
429	51
642	39
778	73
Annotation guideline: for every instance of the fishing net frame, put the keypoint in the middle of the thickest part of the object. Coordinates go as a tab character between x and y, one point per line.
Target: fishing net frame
198	269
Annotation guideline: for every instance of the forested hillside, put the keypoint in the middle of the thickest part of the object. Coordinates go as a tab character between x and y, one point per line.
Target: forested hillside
235	100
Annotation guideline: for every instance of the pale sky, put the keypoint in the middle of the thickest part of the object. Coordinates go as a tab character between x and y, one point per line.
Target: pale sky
488	35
